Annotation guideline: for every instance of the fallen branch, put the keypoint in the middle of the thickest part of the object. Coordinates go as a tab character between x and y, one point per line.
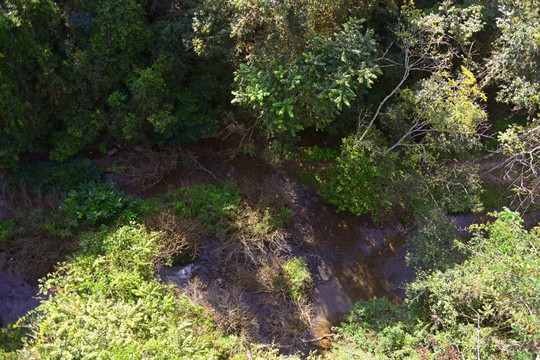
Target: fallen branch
319	338
501	149
305	341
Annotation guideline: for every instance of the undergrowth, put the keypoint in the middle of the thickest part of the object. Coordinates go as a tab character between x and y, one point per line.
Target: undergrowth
49	176
299	277
95	204
107	304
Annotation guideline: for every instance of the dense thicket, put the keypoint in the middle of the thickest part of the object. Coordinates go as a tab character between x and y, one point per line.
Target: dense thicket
426	99
77	73
408	88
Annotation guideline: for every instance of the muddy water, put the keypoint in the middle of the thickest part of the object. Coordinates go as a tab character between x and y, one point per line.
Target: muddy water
17	296
357	259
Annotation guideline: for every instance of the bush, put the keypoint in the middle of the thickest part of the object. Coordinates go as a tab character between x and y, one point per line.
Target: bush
107	305
212	205
6	229
358	183
492	296
317	154
93	203
486	307
432	246
299	277
376	329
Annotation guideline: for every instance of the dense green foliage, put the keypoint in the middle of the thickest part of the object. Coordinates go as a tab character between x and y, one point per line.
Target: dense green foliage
93	203
6	229
299	276
357	183
212	205
405	100
107	304
514	62
486	307
314	88
101	70
49	176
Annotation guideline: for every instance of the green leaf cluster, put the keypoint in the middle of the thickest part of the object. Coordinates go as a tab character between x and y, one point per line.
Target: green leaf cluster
312	91
299	277
48	176
213	205
106	304
485	307
359	181
94	204
6	229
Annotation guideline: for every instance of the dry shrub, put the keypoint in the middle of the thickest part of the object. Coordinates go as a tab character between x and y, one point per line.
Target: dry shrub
269	278
180	235
287	322
25	198
304	312
252	235
149	167
41	240
37	256
226	307
261	191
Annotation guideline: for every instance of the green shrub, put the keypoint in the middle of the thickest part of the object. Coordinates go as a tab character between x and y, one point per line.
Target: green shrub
458	190
11	340
376	329
432	246
492	296
6	229
94	203
317	154
299	276
358	183
107	305
487	307
213	205
313	89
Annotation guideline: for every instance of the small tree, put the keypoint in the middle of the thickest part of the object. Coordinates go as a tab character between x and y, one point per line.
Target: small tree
312	90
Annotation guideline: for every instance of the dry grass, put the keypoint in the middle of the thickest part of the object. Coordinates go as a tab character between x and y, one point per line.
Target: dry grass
227	308
24	198
179	235
148	167
262	192
268	318
41	240
269	278
252	235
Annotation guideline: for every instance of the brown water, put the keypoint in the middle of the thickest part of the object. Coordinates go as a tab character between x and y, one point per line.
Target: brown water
17	296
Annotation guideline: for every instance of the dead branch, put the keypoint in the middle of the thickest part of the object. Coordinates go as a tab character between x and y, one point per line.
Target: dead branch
150	167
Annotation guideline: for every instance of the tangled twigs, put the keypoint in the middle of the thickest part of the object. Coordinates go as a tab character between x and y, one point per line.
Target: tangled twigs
149	167
304	341
192	160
